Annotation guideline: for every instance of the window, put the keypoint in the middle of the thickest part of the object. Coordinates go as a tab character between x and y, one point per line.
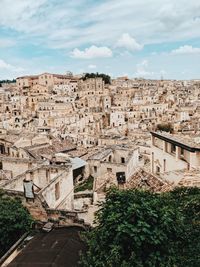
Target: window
95	168
164	165
2	149
157	169
122	160
47	176
109	169
173	148
1	165
182	151
57	191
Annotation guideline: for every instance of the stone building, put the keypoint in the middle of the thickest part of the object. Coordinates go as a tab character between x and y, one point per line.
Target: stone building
114	159
172	154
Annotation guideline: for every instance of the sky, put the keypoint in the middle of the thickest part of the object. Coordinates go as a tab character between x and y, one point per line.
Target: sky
137	38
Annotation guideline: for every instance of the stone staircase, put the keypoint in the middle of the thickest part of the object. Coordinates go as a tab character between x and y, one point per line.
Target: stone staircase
41	213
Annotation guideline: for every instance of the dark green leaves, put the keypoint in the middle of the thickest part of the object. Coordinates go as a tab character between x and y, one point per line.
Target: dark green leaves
14	221
138	228
106	78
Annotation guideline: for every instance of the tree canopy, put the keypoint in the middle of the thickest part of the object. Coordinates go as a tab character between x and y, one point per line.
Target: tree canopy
7	81
106	78
14	221
166	127
143	229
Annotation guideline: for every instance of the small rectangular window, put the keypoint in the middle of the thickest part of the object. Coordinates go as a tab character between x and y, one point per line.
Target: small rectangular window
157	169
122	160
57	191
182	151
173	148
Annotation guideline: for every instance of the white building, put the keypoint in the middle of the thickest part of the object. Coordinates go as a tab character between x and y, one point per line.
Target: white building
172	153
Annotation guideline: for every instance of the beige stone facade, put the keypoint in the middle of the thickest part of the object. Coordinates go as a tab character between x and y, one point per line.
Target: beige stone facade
112	127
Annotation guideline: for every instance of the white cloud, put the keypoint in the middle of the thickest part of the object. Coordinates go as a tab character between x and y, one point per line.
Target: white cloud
141	69
128	42
186	49
6	66
92	52
6	43
63	25
91	66
40	24
20	14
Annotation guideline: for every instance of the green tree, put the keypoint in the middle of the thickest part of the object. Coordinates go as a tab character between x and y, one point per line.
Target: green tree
14	221
8	81
166	127
188	201
105	77
143	229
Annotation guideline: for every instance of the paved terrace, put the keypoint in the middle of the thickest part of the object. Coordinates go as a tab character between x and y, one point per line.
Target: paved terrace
60	247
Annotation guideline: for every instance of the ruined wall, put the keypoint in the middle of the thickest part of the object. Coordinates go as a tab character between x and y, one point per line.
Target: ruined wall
17	167
59	192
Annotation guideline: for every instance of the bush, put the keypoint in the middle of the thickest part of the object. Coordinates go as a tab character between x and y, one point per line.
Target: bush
86	185
166	127
106	78
14	222
138	228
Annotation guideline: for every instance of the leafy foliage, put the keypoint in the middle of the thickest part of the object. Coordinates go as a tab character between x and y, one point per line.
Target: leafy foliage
14	221
143	229
188	201
86	185
166	127
7	81
106	78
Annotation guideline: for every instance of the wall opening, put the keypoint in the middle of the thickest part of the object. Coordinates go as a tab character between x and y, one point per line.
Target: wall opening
57	191
122	160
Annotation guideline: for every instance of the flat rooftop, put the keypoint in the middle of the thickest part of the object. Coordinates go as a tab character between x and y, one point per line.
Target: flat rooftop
191	143
60	247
